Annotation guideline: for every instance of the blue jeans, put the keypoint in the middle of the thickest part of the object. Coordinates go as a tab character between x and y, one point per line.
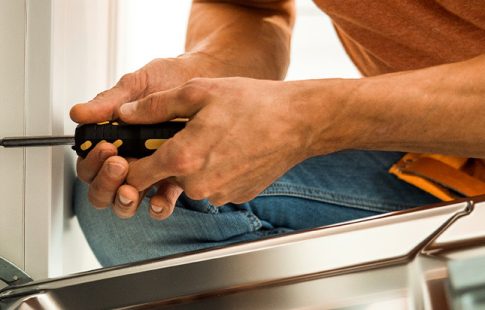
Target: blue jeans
320	191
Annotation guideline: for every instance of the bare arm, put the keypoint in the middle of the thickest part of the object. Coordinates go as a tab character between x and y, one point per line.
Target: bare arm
438	109
242	38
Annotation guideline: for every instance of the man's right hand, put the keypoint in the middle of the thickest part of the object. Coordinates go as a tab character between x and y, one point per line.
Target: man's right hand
220	42
102	169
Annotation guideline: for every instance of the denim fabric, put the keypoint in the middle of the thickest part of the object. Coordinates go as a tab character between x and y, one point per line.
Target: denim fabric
320	191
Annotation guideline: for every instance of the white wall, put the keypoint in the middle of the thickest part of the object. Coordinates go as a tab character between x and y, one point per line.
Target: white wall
12	97
150	29
53	54
316	50
26	174
83	65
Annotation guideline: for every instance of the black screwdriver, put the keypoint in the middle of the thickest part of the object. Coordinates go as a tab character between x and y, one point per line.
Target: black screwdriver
131	140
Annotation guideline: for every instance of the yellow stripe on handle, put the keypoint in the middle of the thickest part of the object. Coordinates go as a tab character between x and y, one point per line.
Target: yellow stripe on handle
86	145
153	144
118	143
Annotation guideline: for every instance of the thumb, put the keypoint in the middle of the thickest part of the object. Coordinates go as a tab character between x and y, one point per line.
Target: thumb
104	106
180	102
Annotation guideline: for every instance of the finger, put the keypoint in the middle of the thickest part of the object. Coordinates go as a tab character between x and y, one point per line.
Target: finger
105	185
127	201
171	159
163	106
104	106
88	167
163	202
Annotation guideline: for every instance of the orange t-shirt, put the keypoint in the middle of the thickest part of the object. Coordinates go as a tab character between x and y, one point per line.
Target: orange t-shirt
384	36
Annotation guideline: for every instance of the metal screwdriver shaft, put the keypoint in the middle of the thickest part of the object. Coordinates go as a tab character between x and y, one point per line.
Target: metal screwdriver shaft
36	141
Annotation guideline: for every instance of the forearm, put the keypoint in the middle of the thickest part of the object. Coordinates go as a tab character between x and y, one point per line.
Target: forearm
438	109
241	38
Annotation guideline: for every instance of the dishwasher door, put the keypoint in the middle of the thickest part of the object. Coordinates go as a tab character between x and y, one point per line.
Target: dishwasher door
405	265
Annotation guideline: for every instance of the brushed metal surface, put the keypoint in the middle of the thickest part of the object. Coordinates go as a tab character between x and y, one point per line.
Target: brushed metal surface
320	268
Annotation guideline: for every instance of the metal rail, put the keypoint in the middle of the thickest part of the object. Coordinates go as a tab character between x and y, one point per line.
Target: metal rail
320	267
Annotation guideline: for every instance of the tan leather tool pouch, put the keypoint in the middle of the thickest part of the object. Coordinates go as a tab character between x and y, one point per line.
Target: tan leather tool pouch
445	177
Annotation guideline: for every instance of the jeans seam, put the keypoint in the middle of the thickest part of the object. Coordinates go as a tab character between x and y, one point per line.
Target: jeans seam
271	232
313	193
254	222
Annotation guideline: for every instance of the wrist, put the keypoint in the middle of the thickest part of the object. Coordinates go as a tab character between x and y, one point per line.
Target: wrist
329	115
206	64
202	64
199	64
173	72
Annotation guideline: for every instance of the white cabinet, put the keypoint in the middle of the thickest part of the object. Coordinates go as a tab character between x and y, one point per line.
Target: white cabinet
53	53
12	100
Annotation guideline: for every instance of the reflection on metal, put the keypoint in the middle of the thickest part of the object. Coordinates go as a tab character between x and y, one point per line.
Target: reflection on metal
11	274
467	283
460	235
398	260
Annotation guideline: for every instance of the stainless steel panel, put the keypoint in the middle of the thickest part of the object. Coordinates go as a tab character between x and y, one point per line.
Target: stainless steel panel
318	268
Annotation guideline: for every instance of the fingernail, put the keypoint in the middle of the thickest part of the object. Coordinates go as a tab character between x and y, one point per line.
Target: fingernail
124	201
128	108
157	209
104	155
116	169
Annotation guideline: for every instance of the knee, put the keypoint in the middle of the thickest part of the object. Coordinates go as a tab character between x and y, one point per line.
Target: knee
116	241
94	225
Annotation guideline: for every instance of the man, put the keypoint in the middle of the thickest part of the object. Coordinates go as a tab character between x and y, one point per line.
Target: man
260	156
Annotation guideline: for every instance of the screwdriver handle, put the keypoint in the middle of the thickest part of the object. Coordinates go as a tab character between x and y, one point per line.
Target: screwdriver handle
131	140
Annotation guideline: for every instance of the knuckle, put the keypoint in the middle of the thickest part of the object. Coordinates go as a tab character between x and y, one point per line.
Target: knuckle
96	201
184	162
116	160
102	94
195	90
151	105
102	186
112	163
172	194
135	81
127	80
95	188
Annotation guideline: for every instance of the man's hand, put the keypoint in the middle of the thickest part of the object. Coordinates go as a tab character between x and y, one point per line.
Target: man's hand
102	169
242	135
220	42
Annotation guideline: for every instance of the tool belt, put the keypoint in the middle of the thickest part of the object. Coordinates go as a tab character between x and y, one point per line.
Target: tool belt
445	177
